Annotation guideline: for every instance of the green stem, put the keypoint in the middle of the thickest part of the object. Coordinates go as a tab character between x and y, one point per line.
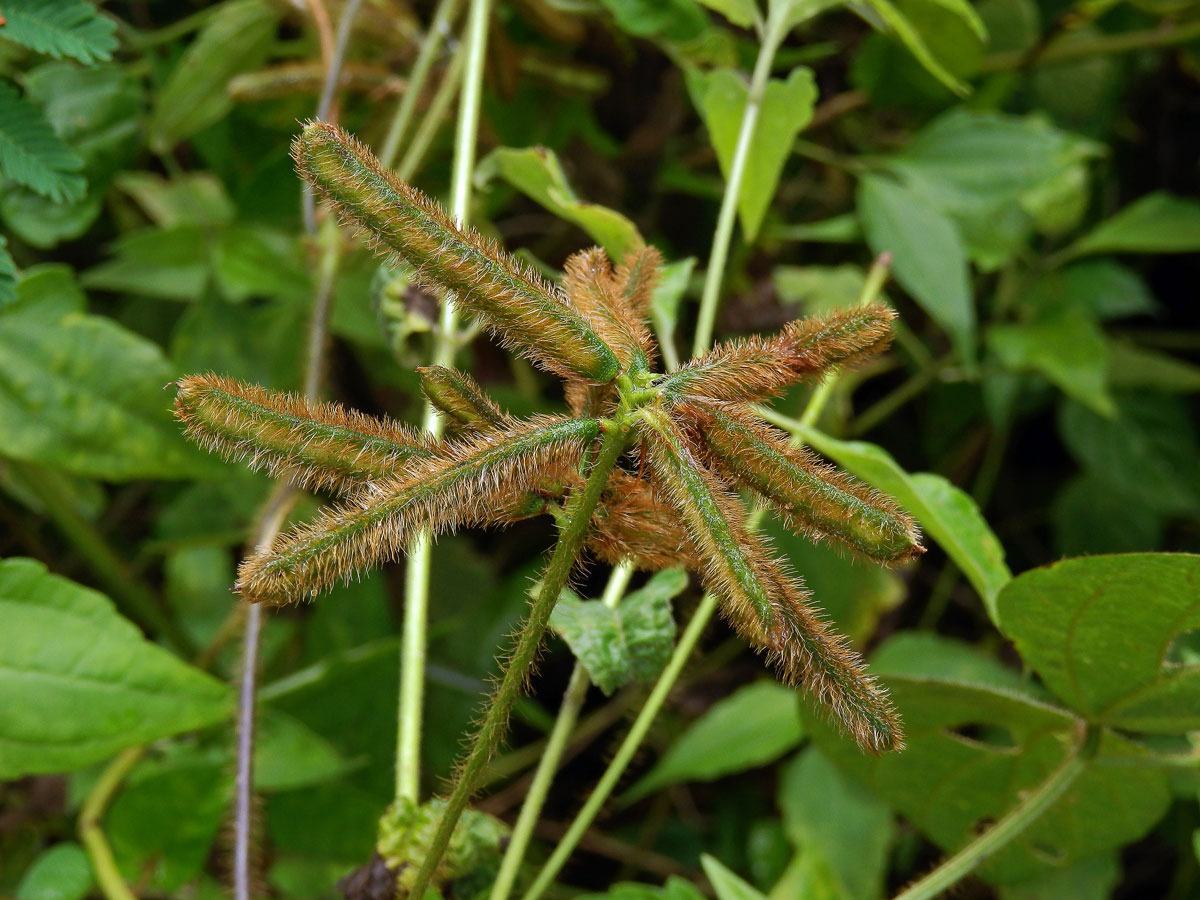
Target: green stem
775	32
432	120
524	654
564	724
1070	50
435	36
1000	834
91	829
416	611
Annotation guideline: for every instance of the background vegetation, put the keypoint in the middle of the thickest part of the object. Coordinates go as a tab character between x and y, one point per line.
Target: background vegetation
1031	167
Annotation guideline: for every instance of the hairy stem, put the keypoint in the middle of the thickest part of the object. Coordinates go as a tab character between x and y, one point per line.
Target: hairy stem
91	829
416	585
564	724
524	654
1024	814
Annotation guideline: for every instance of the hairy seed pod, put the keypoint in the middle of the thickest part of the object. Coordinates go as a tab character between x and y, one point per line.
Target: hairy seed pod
758	368
476	480
634	523
315	445
764	602
813	498
525	312
592	289
637	277
459	398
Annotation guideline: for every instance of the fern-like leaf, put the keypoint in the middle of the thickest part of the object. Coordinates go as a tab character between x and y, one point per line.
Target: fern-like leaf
32	154
60	28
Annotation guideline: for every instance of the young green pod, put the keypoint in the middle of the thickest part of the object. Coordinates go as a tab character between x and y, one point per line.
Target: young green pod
477	480
524	311
757	368
463	404
315	445
812	497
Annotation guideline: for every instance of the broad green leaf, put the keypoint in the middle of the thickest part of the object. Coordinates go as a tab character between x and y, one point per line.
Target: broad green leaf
664	305
743	13
948	515
193	198
819	289
1065	346
922	654
787	107
236	39
1099	630
928	255
79	683
1131	366
537	173
82	393
831	818
1157	223
8	275
912	38
797	12
670	20
726	884
31	154
289	755
840	229
260	262
674	889
1090	517
629	643
1102	287
60	28
172	263
62	872
750	728
1089	879
974	751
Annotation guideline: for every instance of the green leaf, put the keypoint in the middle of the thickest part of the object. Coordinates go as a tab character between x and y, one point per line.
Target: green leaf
1099	631
82	393
974	751
192	198
61	872
537	173
79	683
907	32
1102	287
1157	223
726	884
1090	517
742	13
1065	346
749	728
60	28
673	281
841	831
8	275
928	255
674	889
946	513
288	755
235	40
670	20
629	643
787	107
31	154
172	263
1089	879
1131	366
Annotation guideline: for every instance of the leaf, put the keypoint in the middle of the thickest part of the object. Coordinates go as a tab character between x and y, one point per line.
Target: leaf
974	751
750	728
79	683
1089	879
1157	223
1090	517
669	20
192	198
60	28
1099	629
903	28
288	755
928	255
629	643
236	39
82	393
8	275
726	884
674	889
1067	347
61	872
673	281
1102	287
787	107
742	13
31	154
537	173
839	828
1131	366
946	513
171	263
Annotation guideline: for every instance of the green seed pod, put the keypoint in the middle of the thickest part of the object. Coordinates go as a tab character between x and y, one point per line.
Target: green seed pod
525	312
458	397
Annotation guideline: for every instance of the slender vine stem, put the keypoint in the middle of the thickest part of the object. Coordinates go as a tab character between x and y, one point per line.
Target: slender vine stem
414	154
524	654
1024	814
91	825
416	588
775	31
556	744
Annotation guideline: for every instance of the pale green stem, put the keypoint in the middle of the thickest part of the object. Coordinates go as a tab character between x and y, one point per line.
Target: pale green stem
556	744
687	643
91	829
416	612
1024	814
733	188
435	36
414	155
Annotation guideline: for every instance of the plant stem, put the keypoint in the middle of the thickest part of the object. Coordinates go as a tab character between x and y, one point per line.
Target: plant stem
435	36
432	121
524	654
1101	45
416	585
91	831
1021	817
775	32
564	724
